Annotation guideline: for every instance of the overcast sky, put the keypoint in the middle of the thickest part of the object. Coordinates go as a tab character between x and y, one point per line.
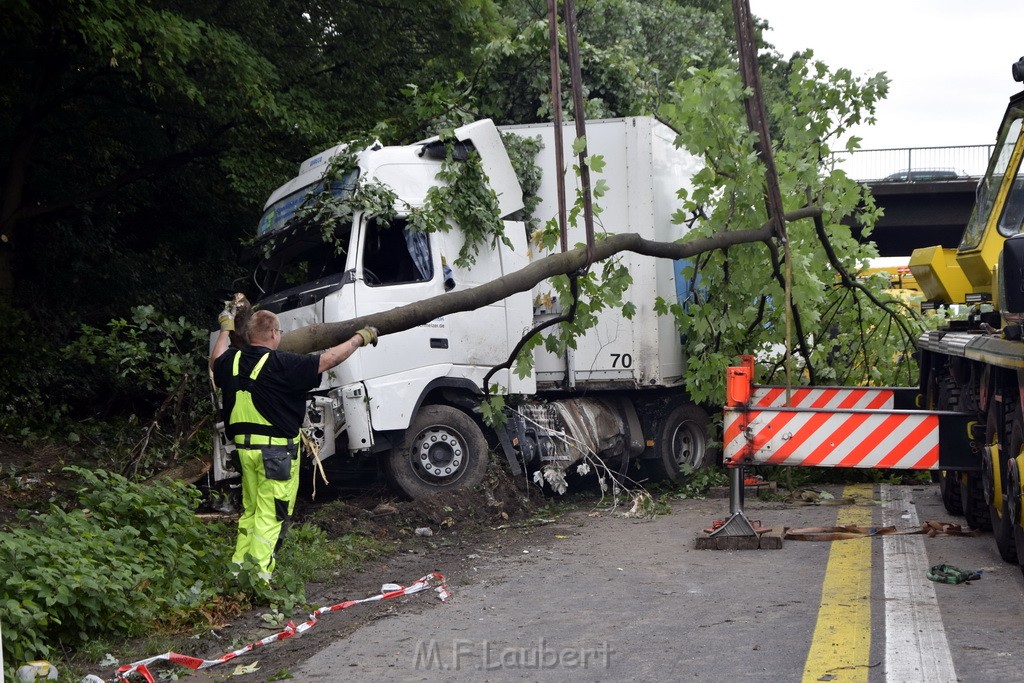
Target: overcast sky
948	60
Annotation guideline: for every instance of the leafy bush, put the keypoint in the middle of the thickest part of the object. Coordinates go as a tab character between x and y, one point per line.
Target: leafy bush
695	483
31	377
149	355
126	370
130	557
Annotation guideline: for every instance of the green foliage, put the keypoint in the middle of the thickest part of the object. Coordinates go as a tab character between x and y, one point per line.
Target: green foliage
129	557
800	477
341	194
151	352
492	409
30	379
522	152
105	382
628	55
695	483
739	303
462	197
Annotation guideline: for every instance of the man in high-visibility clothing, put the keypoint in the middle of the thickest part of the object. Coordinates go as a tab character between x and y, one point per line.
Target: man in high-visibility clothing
264	402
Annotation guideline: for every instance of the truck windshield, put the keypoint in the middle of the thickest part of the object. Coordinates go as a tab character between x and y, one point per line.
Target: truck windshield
283	210
302	254
988	189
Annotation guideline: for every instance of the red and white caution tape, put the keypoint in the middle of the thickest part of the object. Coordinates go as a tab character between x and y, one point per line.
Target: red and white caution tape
388	591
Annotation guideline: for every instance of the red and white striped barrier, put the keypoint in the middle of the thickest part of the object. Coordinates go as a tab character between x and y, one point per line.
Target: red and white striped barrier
838	427
388	592
833	438
869	398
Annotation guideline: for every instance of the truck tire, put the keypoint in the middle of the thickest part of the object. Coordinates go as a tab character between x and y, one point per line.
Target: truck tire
681	440
442	450
1013	507
949	485
972	498
1011	493
1002	528
949	480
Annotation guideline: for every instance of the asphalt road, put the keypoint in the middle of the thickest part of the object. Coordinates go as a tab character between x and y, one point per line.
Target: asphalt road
612	599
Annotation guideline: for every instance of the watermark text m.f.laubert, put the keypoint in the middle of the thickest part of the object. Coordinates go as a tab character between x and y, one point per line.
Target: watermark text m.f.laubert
484	655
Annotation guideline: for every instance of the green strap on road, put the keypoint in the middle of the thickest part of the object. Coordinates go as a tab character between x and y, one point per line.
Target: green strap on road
947	573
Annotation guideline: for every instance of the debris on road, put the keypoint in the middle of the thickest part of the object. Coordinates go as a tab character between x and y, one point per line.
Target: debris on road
947	573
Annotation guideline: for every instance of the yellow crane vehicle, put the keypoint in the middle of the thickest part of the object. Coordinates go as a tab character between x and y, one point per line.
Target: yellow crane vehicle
976	365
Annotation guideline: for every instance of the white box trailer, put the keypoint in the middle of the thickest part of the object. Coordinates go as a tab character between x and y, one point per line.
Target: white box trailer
413	399
644	171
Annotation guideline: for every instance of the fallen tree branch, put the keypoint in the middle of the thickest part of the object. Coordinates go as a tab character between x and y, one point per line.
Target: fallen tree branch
852	283
569	316
324	335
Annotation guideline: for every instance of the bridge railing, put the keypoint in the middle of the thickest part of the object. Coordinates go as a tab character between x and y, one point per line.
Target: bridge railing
909	164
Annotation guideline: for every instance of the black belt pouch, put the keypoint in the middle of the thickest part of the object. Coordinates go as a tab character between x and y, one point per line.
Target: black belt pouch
277	462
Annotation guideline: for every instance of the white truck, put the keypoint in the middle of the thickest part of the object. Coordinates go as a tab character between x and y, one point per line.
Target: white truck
413	400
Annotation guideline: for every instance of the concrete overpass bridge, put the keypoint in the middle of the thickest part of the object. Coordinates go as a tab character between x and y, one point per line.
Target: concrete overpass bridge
927	192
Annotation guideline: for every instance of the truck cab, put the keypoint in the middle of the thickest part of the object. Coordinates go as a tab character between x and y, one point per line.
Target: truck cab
965	275
414	398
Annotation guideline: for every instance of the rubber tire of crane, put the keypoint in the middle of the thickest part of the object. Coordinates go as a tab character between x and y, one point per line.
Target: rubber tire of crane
972	497
438	433
1011	493
1002	528
1013	508
949	481
681	440
949	486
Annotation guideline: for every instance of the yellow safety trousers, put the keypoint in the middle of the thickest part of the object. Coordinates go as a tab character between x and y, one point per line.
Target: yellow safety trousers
267	503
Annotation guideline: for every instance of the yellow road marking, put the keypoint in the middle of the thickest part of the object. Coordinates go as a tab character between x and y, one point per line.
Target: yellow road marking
842	638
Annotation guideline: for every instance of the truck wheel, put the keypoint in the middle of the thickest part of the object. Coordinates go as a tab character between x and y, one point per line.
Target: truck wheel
1011	492
972	498
1013	508
949	481
1002	528
442	450
949	485
682	440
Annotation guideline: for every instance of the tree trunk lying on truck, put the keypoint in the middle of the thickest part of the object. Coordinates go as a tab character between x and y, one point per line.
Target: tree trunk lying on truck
445	323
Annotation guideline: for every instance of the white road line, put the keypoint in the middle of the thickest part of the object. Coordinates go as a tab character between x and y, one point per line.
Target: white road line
915	639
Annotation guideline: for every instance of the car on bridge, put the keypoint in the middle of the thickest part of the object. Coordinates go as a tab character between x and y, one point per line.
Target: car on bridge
924	175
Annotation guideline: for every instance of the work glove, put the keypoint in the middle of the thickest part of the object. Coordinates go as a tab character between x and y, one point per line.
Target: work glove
227	317
369	335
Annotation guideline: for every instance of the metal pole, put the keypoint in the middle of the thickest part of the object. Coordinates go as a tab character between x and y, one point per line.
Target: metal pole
579	115
736	490
737	524
556	114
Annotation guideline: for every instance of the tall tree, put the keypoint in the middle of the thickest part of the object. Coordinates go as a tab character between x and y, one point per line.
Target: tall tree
139	131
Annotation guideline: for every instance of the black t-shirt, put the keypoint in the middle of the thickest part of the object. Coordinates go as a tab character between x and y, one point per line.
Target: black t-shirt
279	392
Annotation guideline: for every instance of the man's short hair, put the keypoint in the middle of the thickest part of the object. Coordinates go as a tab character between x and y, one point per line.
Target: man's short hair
261	326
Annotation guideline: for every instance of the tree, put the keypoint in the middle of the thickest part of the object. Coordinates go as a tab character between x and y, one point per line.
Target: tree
144	135
631	53
846	331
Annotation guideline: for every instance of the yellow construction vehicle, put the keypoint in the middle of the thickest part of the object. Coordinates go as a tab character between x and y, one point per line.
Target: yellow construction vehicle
902	281
975	365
